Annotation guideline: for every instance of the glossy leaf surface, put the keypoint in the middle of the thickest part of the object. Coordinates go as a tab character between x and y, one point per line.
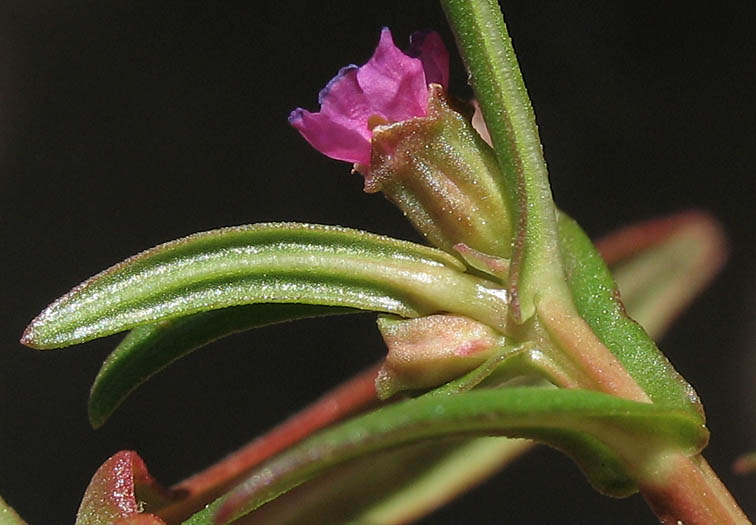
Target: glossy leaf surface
393	487
436	479
266	263
579	422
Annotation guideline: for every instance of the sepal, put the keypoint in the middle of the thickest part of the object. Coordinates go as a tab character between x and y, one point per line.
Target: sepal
443	176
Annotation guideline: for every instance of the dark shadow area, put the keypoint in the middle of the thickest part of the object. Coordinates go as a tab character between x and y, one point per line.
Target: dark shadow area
126	124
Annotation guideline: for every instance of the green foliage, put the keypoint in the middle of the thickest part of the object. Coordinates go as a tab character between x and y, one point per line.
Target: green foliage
150	348
266	263
600	432
598	302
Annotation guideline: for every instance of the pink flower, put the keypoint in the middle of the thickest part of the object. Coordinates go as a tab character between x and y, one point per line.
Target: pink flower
391	87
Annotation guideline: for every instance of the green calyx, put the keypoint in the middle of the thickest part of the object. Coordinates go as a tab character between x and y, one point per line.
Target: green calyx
444	177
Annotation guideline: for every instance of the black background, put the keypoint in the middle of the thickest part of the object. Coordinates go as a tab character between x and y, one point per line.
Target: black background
125	124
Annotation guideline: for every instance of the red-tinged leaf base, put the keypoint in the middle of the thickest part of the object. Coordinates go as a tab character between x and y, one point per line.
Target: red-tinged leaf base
119	493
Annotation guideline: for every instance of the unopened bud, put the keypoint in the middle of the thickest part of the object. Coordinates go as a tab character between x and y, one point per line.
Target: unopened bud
429	351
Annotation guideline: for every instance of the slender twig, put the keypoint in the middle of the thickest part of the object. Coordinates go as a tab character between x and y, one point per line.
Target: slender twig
356	394
677	488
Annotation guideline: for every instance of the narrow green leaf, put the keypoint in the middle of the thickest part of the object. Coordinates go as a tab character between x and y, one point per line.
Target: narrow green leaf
494	74
267	263
396	486
597	300
400	486
150	348
434	483
582	423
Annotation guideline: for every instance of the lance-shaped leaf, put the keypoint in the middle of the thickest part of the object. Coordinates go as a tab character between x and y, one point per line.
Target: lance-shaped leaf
267	263
601	433
150	348
598	302
393	487
403	485
495	77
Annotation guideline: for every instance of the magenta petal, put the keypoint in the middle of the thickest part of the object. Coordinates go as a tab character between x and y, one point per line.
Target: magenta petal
331	138
344	101
394	82
340	129
391	86
430	49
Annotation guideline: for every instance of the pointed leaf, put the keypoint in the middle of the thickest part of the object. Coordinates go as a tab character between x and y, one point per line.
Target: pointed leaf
438	482
149	349
584	424
120	491
266	263
494	74
597	300
393	487
403	485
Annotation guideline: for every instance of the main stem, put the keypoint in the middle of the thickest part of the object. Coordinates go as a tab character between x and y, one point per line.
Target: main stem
678	489
687	490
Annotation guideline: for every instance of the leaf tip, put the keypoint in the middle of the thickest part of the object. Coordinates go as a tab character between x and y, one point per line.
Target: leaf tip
96	418
29	337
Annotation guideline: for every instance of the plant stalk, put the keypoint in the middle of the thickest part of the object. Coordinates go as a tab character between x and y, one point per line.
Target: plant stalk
679	489
356	394
687	491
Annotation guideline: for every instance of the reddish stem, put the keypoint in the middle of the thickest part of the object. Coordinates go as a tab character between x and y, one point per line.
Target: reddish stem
356	394
688	491
693	489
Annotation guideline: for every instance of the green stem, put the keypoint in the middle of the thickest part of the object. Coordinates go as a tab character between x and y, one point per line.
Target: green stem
680	489
537	279
495	76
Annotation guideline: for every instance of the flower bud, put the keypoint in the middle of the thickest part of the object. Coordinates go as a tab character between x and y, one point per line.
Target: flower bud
443	176
429	351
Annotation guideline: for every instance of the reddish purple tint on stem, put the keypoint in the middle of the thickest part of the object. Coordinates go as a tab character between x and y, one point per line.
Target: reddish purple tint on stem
391	87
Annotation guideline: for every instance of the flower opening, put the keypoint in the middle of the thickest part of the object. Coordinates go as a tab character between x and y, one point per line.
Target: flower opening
390	87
